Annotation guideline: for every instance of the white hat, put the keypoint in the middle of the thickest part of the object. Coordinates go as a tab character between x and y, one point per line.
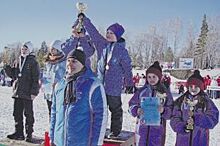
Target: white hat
56	44
29	45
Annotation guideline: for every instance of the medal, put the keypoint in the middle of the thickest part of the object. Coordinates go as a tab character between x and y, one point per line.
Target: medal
21	65
107	67
108	57
19	74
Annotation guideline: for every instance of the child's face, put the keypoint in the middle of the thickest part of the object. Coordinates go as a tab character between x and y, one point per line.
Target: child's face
24	51
194	90
152	79
110	36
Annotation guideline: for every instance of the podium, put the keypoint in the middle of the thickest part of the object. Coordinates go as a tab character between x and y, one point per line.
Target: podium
126	138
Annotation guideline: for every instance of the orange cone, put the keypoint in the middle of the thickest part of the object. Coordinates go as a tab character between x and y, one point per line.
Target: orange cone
46	139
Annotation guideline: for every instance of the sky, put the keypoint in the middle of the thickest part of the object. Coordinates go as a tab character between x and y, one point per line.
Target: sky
47	20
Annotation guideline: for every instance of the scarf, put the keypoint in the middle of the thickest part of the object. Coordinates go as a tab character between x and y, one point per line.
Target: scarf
70	92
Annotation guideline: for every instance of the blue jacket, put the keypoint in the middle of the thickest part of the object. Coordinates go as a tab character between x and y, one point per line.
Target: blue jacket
57	115
53	69
119	65
85	119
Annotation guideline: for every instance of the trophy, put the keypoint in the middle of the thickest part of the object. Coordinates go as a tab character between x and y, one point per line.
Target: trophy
162	97
190	125
81	7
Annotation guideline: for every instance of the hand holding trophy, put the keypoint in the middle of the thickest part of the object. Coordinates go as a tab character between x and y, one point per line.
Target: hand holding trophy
81	7
190	121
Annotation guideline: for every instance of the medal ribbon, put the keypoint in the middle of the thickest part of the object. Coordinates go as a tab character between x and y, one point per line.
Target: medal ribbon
21	65
109	54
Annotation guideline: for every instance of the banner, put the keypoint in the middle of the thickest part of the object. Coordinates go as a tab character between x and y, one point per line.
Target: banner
186	63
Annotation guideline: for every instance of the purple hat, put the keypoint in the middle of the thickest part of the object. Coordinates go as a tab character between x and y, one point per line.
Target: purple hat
117	29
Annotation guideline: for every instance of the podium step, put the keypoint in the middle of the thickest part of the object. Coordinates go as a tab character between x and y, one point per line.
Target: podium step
125	138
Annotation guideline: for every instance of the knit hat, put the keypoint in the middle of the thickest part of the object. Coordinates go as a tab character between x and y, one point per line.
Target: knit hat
56	44
155	69
117	29
29	46
196	79
78	55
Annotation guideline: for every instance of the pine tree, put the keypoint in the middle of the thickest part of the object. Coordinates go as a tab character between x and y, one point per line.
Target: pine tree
140	60
41	54
169	55
200	50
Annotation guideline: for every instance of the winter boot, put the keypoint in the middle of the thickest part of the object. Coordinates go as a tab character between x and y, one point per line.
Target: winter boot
112	136
28	138
16	136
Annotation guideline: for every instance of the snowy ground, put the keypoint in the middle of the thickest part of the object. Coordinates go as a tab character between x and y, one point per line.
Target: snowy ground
41	118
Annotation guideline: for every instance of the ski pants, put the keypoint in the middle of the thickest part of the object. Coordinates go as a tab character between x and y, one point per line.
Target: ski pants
23	106
115	107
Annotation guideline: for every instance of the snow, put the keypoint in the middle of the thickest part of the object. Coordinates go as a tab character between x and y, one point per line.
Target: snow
213	73
42	122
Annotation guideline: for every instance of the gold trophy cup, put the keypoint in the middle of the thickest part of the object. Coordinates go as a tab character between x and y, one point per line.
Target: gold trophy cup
81	7
190	125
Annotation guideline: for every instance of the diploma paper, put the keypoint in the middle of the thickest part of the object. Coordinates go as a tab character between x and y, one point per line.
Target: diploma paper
151	114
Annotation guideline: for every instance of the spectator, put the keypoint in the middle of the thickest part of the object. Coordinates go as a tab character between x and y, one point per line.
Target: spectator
166	80
25	88
181	89
55	68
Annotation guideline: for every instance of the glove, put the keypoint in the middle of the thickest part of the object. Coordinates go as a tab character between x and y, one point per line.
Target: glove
81	15
33	97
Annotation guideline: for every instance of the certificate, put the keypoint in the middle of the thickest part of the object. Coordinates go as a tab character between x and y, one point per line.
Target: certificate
151	114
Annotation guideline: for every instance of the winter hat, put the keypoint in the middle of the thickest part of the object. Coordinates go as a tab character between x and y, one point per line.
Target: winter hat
155	69
196	79
56	44
78	55
117	29
29	45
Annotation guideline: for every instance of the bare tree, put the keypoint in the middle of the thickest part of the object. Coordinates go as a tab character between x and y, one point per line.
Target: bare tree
213	42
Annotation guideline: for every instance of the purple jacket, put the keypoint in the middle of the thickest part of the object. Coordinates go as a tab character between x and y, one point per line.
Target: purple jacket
151	135
86	44
205	117
119	64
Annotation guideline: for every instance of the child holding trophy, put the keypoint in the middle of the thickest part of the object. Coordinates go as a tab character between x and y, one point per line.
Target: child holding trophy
194	114
114	65
152	105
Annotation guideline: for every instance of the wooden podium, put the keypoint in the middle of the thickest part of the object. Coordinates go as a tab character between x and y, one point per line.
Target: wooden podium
126	138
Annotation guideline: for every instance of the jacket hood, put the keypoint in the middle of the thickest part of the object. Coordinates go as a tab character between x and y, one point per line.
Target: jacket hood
121	42
31	55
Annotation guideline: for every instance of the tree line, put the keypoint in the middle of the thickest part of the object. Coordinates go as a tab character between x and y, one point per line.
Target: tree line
166	43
